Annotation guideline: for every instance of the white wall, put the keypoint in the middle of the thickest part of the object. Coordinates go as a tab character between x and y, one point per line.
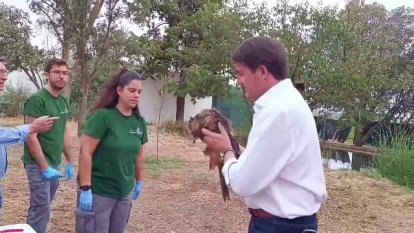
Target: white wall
151	102
192	109
20	78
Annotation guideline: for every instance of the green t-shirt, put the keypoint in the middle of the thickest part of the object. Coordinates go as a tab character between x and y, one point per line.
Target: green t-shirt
113	162
40	104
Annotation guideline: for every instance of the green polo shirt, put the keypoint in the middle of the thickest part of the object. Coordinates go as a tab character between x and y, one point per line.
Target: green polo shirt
40	104
113	162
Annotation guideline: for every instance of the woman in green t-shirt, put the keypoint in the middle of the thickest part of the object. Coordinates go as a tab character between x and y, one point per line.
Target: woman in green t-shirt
111	157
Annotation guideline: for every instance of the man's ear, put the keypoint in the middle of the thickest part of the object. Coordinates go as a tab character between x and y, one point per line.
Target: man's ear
46	75
262	71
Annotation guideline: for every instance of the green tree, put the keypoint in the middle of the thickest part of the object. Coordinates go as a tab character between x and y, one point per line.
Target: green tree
15	35
113	60
57	17
188	44
401	108
350	59
97	28
354	53
292	24
89	34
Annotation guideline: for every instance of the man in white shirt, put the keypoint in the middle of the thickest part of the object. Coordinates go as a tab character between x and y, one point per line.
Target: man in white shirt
280	172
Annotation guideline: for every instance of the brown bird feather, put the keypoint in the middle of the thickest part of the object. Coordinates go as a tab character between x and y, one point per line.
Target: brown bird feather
209	119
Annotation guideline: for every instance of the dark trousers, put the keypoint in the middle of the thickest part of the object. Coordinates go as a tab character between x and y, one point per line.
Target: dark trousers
307	224
109	215
42	193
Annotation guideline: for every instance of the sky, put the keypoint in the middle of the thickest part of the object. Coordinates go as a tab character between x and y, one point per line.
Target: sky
389	4
44	38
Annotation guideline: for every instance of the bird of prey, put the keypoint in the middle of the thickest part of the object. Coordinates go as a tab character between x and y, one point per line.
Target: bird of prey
209	119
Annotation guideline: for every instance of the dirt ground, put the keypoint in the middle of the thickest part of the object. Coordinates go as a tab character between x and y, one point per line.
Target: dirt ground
188	199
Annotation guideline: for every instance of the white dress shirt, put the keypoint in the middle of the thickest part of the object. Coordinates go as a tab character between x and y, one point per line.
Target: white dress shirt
281	168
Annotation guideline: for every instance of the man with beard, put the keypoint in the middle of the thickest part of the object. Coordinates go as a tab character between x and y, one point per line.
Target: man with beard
43	151
19	134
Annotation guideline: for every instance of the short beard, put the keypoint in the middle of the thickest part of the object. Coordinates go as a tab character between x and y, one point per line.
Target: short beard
56	88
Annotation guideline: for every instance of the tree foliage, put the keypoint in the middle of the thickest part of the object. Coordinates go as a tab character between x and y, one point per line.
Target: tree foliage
361	48
357	62
13	99
188	44
354	61
15	46
91	37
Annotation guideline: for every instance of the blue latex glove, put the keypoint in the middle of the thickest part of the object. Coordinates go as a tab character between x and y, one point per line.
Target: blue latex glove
137	189
85	200
69	171
51	173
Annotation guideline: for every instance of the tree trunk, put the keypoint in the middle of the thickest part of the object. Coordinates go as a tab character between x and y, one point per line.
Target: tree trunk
179	116
86	83
65	56
85	23
365	132
358	137
84	100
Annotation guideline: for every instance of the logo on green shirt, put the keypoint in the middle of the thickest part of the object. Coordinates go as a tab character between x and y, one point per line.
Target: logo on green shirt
136	131
65	111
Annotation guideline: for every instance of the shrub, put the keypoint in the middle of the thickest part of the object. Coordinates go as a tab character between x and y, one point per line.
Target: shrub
396	160
13	100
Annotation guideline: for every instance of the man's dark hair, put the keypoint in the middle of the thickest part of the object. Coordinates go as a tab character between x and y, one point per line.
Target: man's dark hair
54	61
264	51
3	60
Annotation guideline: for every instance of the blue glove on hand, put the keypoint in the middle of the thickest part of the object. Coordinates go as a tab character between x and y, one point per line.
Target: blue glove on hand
51	173
137	189
69	171
85	200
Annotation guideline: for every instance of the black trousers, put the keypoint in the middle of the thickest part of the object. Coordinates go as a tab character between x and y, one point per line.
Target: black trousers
306	224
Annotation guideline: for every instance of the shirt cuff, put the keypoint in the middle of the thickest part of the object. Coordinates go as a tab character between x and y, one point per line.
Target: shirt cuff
226	169
24	129
24	132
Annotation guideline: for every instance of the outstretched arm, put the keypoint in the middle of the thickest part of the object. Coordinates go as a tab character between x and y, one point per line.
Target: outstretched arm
21	133
14	135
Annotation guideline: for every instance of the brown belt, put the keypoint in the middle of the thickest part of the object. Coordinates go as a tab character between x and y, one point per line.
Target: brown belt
260	213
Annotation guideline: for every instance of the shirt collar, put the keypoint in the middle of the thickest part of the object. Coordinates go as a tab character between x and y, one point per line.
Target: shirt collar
272	93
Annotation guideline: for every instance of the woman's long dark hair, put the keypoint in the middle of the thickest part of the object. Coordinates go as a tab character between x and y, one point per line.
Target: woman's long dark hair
109	95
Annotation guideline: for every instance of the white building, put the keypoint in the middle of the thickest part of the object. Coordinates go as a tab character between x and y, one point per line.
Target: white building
151	102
